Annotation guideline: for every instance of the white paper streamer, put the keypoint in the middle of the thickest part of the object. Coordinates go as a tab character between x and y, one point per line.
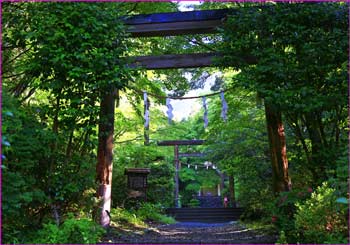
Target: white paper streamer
224	107
169	111
146	116
205	116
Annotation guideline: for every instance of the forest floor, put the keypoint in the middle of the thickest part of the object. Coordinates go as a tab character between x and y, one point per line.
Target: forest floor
190	233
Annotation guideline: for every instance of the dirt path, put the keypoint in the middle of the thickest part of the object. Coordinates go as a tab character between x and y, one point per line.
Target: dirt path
198	233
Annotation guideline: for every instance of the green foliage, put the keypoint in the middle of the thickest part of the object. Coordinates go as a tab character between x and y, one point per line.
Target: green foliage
194	203
338	176
160	189
320	219
304	217
31	184
122	216
145	213
280	212
60	58
282	239
73	230
153	212
20	189
239	147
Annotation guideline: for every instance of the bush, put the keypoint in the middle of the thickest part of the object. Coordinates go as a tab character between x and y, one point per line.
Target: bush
147	212
320	219
282	211
194	203
123	216
154	212
73	230
34	176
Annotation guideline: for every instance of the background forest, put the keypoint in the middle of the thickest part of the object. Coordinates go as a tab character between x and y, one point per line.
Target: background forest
59	59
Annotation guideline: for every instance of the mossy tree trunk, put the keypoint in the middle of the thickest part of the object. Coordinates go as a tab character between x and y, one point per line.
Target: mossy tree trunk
105	155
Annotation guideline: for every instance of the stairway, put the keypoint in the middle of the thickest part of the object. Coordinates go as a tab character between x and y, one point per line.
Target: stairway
210	201
206	215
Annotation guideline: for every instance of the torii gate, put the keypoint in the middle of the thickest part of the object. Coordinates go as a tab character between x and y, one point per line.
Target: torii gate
168	24
177	155
176	144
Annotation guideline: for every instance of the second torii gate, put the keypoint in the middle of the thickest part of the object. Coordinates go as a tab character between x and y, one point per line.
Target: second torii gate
176	144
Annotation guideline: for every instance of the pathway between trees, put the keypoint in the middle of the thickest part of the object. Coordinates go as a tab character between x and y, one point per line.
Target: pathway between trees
190	232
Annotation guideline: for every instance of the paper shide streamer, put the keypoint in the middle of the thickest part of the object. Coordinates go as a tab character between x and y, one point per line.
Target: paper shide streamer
224	107
146	116
205	116
169	111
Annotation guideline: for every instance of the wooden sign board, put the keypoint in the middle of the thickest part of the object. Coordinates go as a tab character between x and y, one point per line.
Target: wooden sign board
137	178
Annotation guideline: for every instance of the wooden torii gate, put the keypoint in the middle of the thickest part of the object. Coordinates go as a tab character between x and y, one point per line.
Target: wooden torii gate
176	144
178	155
168	24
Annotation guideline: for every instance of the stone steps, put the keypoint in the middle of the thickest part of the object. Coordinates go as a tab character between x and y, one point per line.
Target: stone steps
210	201
208	215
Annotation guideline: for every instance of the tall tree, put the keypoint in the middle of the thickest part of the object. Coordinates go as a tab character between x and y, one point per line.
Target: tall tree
300	70
75	51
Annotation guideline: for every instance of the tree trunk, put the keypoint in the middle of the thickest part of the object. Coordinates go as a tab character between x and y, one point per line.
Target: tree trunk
318	167
278	149
105	155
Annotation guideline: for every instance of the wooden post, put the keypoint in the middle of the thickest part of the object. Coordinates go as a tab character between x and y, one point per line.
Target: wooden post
105	155
176	161
278	149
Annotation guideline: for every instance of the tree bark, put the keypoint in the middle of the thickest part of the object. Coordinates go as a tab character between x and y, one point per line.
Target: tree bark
105	156
278	149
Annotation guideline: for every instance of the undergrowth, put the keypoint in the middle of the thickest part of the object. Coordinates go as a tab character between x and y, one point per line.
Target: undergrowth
140	217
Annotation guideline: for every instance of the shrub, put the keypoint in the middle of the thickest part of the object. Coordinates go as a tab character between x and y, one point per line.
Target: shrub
282	239
82	230
282	211
320	219
194	203
153	212
123	216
